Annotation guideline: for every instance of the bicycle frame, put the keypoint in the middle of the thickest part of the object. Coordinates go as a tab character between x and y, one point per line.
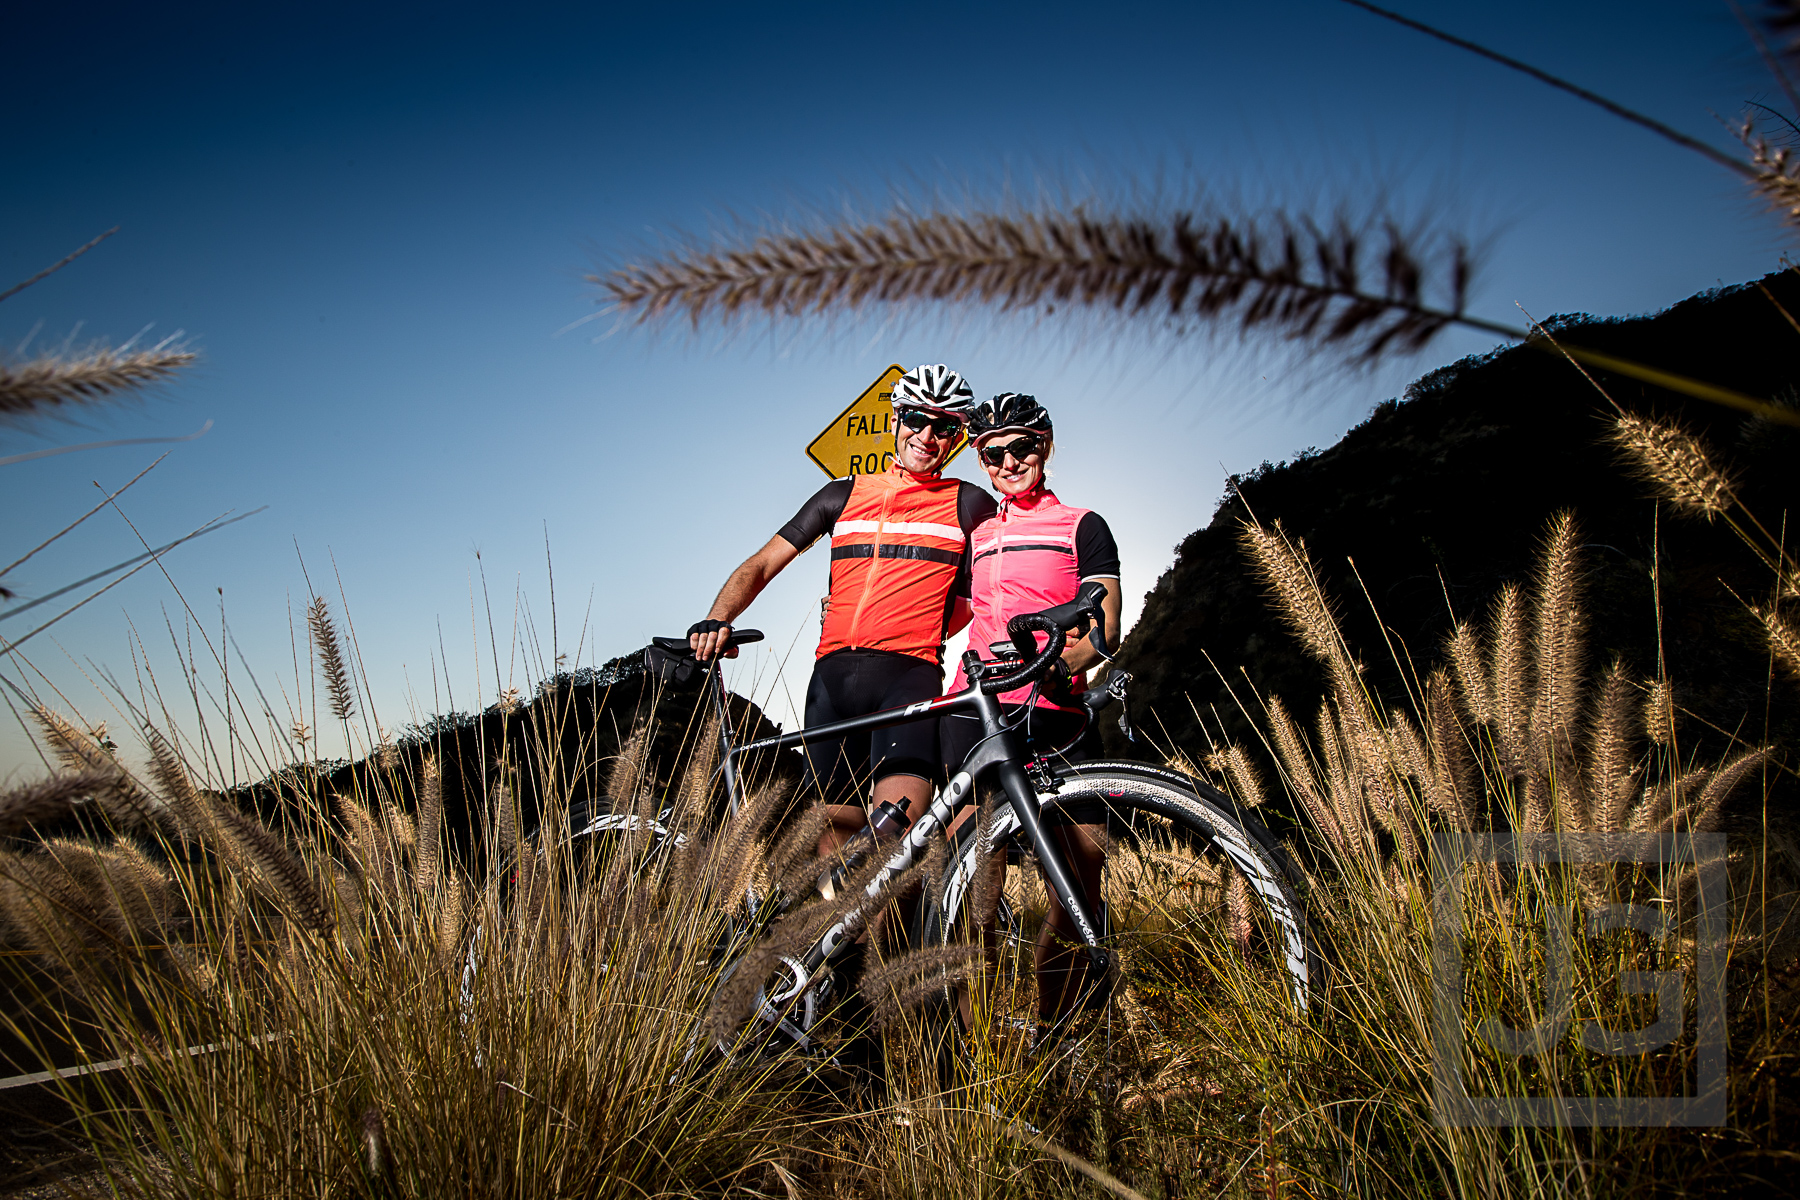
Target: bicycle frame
1000	751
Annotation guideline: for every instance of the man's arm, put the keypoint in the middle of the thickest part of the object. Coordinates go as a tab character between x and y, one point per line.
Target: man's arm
744	585
961	613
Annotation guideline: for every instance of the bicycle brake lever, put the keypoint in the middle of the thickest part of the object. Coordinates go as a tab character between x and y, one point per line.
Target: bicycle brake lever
1115	684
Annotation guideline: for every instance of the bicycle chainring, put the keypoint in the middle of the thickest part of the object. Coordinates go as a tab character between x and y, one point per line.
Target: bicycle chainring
789	1001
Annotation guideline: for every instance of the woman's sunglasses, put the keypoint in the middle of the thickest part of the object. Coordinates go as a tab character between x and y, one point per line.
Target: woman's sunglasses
1019	448
916	419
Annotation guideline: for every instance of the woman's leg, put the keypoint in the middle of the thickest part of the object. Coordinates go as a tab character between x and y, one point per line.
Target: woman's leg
1060	956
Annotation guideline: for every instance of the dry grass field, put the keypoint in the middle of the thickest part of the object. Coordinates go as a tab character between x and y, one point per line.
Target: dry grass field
330	1002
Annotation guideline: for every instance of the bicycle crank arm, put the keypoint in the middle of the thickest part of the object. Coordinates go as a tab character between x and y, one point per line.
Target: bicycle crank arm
1023	798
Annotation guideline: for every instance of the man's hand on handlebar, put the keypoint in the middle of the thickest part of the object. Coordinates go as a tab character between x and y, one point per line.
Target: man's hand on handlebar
709	637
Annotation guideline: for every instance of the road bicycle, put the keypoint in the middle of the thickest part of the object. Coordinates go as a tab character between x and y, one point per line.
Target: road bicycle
1189	872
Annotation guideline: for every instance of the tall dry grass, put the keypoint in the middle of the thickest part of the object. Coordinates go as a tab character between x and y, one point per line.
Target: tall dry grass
1366	288
346	1010
337	1002
1515	732
296	1001
1683	472
1335	283
51	382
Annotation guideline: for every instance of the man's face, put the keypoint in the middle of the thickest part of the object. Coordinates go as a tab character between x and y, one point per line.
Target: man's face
923	450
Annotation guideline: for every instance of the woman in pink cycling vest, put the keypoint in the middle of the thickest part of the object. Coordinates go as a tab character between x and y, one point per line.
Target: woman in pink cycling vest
1032	555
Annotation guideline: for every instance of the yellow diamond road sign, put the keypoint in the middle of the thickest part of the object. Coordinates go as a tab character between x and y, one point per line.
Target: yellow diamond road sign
860	440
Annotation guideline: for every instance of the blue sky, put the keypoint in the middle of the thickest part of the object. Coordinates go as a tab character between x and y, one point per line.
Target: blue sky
374	221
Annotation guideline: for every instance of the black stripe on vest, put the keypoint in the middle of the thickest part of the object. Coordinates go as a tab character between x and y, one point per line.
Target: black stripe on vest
928	553
1068	550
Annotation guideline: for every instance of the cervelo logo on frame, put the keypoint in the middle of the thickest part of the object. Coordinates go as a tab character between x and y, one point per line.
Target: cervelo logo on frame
1704	1101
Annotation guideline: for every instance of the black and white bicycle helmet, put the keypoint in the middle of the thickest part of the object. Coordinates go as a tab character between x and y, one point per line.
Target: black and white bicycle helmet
1009	411
936	388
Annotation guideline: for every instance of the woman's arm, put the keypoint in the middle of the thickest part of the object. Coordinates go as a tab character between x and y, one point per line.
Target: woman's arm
1096	561
1082	655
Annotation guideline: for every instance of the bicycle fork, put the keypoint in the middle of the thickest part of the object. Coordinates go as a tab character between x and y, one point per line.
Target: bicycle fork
1023	797
1002	753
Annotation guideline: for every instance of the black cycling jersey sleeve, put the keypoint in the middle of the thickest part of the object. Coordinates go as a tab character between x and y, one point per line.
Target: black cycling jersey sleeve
1096	554
973	506
817	515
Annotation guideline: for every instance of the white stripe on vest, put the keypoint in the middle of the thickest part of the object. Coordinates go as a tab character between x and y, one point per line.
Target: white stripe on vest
928	528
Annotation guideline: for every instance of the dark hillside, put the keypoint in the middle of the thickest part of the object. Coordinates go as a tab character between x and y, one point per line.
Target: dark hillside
563	742
1438	499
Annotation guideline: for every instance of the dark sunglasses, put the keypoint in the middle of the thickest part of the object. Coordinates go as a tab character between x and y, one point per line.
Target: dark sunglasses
1019	448
916	419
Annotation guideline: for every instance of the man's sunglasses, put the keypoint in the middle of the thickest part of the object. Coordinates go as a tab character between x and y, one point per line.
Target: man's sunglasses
916	419
1019	448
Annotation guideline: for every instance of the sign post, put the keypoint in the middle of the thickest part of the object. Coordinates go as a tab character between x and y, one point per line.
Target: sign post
860	440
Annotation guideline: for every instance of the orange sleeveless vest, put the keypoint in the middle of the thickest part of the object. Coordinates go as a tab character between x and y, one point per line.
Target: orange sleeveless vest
895	551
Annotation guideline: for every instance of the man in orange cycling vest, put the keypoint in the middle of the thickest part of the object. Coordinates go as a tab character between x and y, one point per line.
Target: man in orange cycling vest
899	587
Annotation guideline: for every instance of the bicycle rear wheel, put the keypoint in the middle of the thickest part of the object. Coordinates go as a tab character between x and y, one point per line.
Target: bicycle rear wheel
1195	894
581	849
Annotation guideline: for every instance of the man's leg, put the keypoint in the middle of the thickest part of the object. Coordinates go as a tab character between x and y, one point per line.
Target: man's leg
901	757
833	767
910	792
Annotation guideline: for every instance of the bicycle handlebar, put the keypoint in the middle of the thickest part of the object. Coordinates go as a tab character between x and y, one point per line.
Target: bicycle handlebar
679	645
1023	631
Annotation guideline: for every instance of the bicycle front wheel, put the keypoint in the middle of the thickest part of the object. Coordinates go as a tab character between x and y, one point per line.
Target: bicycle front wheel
1195	894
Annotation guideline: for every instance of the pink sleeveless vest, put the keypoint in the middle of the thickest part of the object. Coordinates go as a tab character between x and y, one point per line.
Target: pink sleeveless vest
1023	561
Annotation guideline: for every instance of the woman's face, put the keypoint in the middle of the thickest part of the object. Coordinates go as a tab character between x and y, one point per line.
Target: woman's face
1015	475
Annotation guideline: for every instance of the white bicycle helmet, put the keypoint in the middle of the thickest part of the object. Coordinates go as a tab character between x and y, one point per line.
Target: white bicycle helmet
935	388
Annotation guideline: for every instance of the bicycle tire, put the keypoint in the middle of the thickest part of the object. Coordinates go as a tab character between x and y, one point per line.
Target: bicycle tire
1176	844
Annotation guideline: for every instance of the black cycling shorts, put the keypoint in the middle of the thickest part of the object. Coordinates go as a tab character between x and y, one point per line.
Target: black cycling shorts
854	683
1047	731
